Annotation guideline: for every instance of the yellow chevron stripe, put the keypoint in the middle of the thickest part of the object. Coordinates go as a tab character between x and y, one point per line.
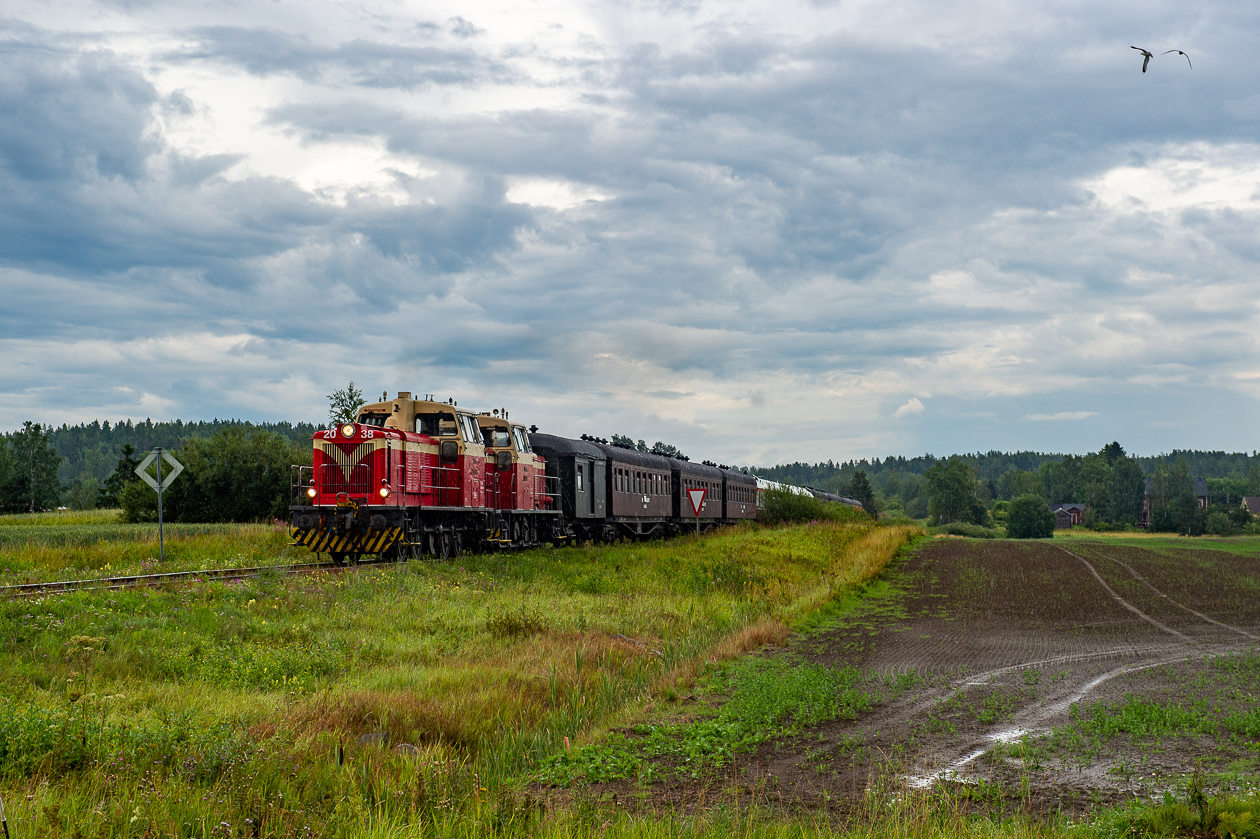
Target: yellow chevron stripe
325	542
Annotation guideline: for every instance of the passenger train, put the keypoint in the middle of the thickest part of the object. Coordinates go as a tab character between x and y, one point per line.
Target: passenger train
415	477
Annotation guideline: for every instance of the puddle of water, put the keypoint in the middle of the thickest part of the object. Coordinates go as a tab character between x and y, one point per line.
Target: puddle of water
1009	735
951	771
925	781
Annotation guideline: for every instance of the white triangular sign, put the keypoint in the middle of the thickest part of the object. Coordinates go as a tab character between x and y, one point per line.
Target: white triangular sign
697	499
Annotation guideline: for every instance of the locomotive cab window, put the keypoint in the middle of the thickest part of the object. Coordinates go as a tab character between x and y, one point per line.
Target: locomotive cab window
496	437
470	429
436	425
377	420
522	443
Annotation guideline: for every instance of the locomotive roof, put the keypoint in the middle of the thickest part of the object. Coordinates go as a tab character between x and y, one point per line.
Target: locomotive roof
551	444
486	418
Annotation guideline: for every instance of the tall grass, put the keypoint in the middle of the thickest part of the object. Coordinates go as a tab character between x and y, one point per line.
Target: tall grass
56	550
61	517
273	706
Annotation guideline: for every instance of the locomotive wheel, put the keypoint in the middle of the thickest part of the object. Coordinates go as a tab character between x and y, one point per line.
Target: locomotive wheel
457	546
447	540
433	543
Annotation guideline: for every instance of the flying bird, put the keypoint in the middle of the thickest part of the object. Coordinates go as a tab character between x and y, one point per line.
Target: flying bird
1179	52
1147	55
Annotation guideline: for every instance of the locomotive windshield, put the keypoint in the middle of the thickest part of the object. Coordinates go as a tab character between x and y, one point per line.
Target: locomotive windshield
496	437
373	419
436	425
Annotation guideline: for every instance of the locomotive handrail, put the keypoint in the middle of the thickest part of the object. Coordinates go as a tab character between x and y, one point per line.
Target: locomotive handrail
547	480
440	490
297	486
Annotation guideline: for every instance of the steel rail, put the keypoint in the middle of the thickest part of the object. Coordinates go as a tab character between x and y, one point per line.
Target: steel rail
138	580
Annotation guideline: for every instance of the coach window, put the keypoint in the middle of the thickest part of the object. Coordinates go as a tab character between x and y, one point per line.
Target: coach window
579	478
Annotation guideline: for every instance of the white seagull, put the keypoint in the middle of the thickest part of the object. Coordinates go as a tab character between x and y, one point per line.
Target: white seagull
1147	55
1179	52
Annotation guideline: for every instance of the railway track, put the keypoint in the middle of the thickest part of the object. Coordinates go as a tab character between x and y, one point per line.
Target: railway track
142	580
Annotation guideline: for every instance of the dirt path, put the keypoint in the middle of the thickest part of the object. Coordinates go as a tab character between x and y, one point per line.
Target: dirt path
1004	639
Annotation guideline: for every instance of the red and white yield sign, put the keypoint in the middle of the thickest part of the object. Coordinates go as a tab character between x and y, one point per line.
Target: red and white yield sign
696	497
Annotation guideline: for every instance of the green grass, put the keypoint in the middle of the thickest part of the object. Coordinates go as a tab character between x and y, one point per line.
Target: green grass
767	698
94	544
179	711
1164	543
1216	702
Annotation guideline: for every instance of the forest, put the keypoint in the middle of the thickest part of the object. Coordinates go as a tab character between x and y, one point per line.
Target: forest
92	464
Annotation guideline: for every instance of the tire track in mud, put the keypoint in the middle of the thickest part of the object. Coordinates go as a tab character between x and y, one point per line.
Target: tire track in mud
1002	638
1124	603
1179	605
1038	718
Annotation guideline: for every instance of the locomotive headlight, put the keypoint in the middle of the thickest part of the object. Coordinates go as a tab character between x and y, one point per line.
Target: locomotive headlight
384	492
347	430
310	492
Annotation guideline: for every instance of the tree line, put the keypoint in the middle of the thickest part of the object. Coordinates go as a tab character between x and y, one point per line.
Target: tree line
240	471
236	472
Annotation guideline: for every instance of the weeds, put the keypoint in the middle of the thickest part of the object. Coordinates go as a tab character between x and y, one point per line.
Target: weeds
387	700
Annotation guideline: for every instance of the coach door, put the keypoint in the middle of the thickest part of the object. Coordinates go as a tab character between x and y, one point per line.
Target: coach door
599	484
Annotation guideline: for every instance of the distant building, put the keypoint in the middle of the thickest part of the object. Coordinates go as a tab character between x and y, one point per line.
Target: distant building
1200	491
1067	515
1251	504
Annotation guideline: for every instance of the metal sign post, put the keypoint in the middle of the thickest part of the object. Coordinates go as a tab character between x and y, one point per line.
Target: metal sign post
696	496
4	820
160	484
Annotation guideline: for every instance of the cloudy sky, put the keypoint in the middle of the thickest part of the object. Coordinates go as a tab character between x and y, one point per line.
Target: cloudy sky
762	231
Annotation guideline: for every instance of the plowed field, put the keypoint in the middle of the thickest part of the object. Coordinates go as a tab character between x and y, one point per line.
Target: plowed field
1058	675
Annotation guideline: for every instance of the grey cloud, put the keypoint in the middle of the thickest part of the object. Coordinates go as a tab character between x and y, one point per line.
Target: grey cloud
265	52
462	28
776	210
67	114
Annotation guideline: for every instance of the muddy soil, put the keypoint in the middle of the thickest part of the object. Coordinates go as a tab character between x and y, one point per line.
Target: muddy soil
1004	639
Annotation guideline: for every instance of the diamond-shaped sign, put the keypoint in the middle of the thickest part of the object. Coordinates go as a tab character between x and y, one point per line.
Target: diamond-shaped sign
176	468
696	496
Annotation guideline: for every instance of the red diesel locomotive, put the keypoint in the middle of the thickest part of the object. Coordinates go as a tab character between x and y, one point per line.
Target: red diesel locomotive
413	477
